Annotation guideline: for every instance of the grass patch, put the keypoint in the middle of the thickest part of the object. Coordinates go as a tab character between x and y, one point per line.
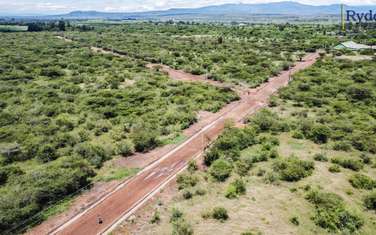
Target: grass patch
116	174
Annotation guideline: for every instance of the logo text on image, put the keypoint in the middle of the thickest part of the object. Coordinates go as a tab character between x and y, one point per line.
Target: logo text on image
352	15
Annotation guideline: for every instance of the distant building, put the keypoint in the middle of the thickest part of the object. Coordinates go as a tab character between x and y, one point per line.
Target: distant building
350	45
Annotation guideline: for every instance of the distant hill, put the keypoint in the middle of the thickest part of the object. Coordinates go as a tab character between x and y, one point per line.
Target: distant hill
229	11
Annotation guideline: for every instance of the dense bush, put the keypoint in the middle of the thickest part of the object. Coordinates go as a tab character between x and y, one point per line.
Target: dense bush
341	93
332	214
351	164
235	56
220	213
220	170
236	189
370	201
29	193
230	143
125	148
320	157
186	181
293	169
361	181
60	99
334	169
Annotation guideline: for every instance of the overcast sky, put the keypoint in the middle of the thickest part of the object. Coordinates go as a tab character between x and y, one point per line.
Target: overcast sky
63	6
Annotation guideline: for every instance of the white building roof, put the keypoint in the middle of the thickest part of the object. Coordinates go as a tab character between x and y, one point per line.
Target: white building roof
355	46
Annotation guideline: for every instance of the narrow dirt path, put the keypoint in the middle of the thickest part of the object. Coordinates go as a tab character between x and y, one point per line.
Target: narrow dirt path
174	74
187	77
132	194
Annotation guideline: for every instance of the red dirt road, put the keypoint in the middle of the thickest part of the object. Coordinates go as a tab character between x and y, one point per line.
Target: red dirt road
119	204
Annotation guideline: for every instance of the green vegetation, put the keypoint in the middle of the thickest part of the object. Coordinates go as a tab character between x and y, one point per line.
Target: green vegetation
186	181
370	201
179	225
220	169
332	214
320	157
30	192
334	169
66	110
352	164
236	54
13	28
344	109
236	189
267	166
220	213
62	102
361	181
293	169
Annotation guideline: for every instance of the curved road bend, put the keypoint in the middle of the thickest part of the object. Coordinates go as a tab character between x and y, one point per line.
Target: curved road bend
120	203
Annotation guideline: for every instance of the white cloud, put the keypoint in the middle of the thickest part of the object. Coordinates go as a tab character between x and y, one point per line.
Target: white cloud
60	6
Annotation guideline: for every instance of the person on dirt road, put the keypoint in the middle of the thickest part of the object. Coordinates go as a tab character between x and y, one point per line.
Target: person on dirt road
99	219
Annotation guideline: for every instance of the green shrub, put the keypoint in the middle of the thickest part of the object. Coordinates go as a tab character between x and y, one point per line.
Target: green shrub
361	181
265	120
294	220
41	186
273	154
370	201
342	146
220	213
9	171
46	153
236	189
156	218
243	166
181	227
125	148
186	181
366	159
320	157
298	135
334	169
260	157
331	214
176	215
320	134
145	140
271	178
200	192
187	194
293	169
351	164
192	166
220	170
95	154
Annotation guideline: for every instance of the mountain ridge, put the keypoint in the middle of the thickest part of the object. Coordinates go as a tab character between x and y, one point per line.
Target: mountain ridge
229	9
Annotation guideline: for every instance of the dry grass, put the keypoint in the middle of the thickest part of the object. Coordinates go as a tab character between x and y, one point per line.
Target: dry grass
266	208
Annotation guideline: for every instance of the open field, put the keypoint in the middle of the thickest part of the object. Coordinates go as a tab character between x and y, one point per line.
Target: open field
12	28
